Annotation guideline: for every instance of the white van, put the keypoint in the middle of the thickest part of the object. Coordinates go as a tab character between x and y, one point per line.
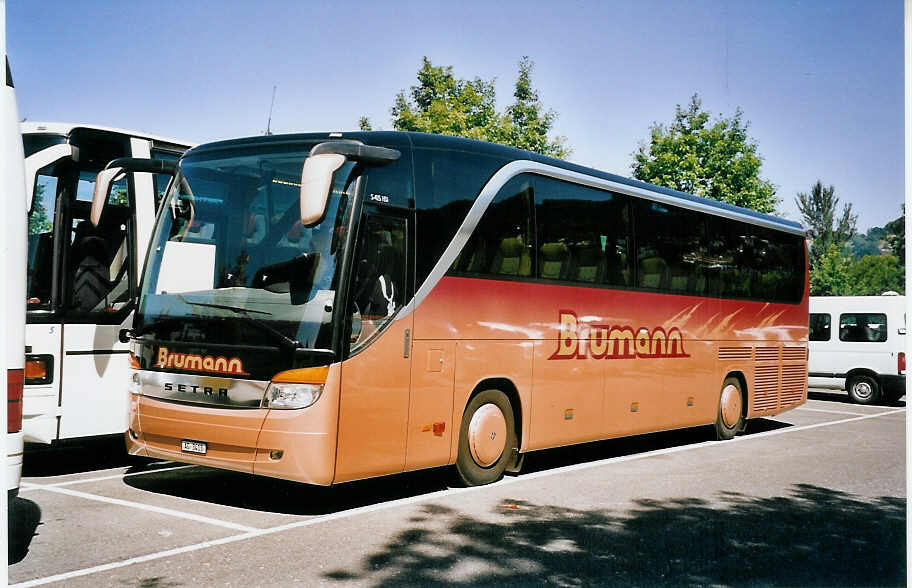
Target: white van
857	343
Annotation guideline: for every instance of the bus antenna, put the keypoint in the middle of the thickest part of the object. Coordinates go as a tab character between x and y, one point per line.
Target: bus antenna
269	121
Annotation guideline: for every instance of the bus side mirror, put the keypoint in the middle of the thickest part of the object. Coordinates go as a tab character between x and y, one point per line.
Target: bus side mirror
316	182
44	158
324	160
103	183
115	170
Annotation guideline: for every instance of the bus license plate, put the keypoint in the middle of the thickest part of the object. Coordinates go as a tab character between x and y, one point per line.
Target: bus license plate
193	446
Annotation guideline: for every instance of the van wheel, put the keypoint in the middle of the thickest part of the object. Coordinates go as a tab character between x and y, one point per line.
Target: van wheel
730	418
487	439
863	389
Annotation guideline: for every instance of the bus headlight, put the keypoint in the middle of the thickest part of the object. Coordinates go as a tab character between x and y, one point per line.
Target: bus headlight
135	387
285	395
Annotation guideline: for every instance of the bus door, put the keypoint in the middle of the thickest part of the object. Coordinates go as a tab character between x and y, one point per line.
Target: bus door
374	396
48	168
82	283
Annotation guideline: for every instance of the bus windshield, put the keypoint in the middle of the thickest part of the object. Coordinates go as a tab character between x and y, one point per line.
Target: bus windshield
230	260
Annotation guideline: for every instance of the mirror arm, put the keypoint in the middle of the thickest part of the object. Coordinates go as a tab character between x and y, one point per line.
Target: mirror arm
142	165
357	151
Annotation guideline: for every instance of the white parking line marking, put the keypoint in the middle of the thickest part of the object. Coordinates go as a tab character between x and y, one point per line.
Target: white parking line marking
831	411
103	478
148	507
420	499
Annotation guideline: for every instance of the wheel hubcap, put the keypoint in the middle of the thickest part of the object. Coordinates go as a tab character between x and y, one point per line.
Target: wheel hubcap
731	405
487	435
863	389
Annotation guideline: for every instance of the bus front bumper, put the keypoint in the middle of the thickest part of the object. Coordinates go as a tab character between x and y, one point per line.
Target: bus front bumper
297	445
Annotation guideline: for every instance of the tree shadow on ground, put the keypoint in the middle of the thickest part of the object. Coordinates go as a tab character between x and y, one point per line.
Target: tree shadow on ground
24	517
814	537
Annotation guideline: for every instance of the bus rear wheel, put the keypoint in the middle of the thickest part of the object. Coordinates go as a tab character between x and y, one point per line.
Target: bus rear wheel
730	418
863	389
487	439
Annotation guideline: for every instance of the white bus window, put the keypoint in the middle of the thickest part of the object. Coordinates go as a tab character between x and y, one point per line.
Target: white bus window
41	242
863	327
819	327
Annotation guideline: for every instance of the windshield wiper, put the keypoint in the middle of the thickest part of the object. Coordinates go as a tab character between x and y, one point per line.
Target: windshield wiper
133	333
288	341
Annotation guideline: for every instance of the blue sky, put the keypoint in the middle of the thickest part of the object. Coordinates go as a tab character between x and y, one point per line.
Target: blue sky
820	82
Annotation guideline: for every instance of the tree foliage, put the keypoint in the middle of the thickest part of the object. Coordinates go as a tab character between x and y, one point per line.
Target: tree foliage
896	236
874	242
443	104
818	210
830	275
38	220
873	275
714	159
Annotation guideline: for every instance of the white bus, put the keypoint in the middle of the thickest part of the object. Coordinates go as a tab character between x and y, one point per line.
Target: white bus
857	343
84	264
12	267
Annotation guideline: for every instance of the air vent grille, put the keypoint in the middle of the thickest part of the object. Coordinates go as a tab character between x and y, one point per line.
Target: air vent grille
794	354
766	354
766	387
794	381
734	353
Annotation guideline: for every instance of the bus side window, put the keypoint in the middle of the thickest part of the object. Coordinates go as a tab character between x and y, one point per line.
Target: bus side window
819	327
41	241
98	266
502	241
378	285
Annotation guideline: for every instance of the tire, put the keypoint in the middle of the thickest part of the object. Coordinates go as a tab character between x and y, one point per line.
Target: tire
482	456
863	389
730	416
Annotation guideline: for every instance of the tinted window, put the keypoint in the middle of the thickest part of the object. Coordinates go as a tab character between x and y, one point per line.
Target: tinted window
378	286
671	245
584	234
819	325
446	185
748	261
501	244
863	327
41	240
390	184
161	180
33	143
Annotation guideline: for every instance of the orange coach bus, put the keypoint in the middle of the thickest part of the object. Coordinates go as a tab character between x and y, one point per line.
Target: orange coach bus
331	307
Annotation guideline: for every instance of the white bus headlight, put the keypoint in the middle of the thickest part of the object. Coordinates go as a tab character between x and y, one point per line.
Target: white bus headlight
284	395
135	387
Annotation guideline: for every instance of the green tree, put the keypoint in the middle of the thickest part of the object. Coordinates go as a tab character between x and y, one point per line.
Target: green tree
818	209
714	159
530	123
38	221
364	123
443	104
872	275
830	276
896	236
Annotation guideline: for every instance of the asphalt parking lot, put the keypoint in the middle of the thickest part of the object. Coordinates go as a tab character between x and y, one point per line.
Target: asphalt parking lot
815	496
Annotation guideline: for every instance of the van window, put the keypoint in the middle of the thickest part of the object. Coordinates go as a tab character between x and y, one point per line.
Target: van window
819	327
863	327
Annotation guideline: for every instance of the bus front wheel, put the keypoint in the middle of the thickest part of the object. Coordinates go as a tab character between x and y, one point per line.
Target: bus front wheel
863	389
730	418
487	439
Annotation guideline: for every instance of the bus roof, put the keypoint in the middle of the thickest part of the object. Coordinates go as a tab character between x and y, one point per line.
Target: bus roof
59	128
426	140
